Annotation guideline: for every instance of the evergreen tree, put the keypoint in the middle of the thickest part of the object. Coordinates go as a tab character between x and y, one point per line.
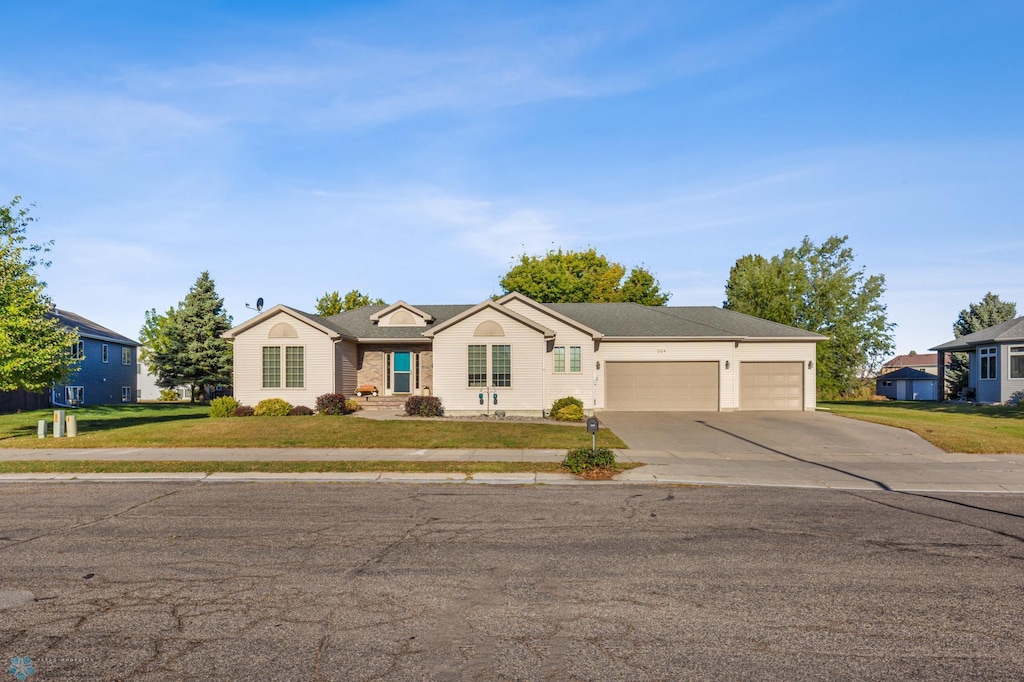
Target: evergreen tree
34	346
192	351
975	317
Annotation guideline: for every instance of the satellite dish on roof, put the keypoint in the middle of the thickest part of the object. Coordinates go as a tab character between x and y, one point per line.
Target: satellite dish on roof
259	305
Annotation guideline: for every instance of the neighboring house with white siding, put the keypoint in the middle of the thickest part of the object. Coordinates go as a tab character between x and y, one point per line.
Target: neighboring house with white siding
519	356
996	355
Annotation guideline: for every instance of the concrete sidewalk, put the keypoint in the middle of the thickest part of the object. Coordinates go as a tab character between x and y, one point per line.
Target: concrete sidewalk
940	472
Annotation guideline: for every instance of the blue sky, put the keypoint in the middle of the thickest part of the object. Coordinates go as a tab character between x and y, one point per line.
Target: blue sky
413	150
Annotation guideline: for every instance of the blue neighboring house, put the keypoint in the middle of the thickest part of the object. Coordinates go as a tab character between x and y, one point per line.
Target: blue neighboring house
108	372
996	357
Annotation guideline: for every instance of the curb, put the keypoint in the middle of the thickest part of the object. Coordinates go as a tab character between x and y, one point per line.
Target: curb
513	478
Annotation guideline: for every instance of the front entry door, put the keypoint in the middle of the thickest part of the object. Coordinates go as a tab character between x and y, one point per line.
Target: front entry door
402	367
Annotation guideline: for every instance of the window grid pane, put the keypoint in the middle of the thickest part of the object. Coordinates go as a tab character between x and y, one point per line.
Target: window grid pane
294	367
271	367
575	361
477	366
501	366
559	358
1017	366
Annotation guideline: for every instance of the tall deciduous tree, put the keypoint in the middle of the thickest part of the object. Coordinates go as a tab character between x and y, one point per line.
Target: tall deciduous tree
989	312
189	348
34	346
581	277
819	288
332	303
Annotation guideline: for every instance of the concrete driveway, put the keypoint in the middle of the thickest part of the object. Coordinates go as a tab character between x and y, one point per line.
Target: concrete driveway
756	433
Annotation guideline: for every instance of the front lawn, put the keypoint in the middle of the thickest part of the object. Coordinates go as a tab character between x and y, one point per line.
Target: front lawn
189	426
954	427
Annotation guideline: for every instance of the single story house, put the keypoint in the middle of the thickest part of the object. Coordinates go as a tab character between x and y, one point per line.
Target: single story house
908	384
106	374
996	356
922	362
519	356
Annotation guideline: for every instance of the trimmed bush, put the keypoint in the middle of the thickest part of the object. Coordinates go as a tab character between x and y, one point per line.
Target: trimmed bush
570	413
273	407
1016	398
244	411
300	411
168	395
331	403
557	406
579	460
221	408
424	406
352	405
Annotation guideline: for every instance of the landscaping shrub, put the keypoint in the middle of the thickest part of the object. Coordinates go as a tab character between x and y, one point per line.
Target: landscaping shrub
570	413
244	411
1016	398
579	460
272	407
352	405
299	411
168	395
331	403
221	408
557	406
424	406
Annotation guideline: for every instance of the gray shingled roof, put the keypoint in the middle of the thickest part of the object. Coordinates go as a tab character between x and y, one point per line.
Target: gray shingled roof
357	322
907	373
634	320
610	319
739	323
90	329
1010	331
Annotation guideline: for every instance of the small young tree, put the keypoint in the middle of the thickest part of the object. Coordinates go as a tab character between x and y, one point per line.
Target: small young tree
34	346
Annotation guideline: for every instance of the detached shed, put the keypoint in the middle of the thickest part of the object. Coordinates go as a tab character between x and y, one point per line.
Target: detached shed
908	384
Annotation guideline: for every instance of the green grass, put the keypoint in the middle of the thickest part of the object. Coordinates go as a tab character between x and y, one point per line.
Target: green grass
188	426
953	427
162	467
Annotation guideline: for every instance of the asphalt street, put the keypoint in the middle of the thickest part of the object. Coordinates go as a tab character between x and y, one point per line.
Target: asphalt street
281	581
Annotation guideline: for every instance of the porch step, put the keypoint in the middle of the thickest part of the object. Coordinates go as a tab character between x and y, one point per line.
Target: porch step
382	402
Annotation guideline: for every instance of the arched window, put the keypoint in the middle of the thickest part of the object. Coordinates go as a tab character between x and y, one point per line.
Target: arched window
282	330
402	317
489	328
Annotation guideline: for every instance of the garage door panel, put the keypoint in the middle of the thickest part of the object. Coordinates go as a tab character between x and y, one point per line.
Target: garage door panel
771	386
661	386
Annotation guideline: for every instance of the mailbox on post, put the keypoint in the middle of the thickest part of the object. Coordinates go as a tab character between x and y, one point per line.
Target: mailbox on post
592	430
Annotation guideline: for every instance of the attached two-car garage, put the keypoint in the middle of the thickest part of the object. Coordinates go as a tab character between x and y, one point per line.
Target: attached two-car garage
695	386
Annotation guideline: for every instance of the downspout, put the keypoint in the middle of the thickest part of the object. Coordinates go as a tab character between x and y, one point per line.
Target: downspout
942	376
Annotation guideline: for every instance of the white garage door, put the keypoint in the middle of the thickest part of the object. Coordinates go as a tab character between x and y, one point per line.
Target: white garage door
771	385
661	386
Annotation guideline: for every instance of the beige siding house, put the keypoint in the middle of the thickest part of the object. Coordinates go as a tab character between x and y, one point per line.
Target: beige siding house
518	356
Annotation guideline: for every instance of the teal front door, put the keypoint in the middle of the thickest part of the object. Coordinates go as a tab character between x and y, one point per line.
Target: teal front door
402	370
